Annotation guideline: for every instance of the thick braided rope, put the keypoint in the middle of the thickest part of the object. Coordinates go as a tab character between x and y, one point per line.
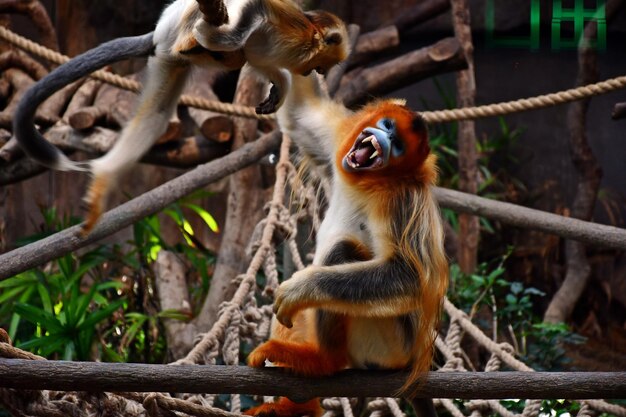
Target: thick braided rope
125	83
437	116
538	102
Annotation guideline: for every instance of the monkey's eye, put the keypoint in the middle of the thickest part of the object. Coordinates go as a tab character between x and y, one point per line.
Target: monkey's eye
334	39
386	124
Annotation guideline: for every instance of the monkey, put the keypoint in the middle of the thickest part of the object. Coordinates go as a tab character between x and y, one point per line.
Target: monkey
373	295
273	37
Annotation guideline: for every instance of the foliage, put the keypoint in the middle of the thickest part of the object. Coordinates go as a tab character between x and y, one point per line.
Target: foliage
504	309
494	156
99	304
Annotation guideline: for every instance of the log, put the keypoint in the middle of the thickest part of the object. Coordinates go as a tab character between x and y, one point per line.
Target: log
214	11
11	150
215	379
444	56
171	282
38	14
52	109
373	43
186	153
71	239
84	97
20	170
20	82
469	226
590	233
619	111
16	59
87	117
214	126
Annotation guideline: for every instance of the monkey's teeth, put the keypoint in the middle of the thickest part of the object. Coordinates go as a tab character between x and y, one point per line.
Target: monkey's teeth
374	155
369	139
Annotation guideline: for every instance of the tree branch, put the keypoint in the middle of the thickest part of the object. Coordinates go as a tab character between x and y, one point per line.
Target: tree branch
70	239
120	377
527	218
469	227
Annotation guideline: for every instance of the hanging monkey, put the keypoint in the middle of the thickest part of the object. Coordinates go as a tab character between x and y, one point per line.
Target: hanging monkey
373	295
274	37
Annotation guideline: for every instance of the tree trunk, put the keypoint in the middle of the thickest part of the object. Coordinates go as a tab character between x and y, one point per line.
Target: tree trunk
244	209
469	232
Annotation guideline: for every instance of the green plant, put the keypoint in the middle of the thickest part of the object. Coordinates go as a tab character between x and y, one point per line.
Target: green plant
66	309
507	313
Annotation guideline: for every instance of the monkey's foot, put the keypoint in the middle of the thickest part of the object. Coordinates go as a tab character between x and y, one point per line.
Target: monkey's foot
271	103
284	407
94	201
300	358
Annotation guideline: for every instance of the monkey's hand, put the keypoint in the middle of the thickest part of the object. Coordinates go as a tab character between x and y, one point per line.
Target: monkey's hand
293	295
271	103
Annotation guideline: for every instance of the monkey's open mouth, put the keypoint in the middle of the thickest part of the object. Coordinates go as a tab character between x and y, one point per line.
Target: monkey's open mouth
368	152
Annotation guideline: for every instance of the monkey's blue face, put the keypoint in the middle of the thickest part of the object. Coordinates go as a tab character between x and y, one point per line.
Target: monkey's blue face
374	147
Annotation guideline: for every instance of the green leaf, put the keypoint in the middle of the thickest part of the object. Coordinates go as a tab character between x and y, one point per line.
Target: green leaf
38	316
12	293
100	315
21	280
511	299
206	217
45	298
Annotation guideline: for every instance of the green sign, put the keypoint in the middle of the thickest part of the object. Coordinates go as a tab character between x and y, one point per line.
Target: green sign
577	17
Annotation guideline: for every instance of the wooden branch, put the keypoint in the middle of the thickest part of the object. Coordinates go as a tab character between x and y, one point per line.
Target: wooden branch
70	239
333	79
420	13
527	218
38	14
186	153
214	11
83	98
469	226
214	379
214	126
11	150
20	82
619	111
578	268
20	170
373	43
17	59
171	284
51	110
444	56
87	117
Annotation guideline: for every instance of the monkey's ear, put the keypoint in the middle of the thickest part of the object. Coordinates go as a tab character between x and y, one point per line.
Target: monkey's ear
333	39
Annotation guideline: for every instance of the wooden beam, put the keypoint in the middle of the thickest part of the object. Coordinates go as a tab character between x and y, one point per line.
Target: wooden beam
121	377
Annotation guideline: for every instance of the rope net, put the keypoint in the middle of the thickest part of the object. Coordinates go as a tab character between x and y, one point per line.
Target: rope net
242	319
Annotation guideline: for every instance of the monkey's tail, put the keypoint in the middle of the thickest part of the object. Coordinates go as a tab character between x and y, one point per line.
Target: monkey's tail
31	141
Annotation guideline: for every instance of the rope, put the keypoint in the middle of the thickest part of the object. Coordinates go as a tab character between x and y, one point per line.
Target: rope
437	116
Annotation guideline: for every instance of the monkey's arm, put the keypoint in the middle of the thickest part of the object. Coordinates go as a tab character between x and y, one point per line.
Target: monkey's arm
311	118
33	143
375	288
